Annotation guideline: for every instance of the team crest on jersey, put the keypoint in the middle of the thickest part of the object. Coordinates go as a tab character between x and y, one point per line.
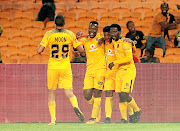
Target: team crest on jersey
92	46
109	51
137	37
118	46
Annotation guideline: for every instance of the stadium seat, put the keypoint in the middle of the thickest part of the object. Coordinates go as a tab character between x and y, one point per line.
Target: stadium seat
25	43
15	26
23	17
77	8
172	33
114	1
9	60
33	61
37	36
34	26
138	53
102	24
173	51
144	7
50	25
99	7
21	35
121	7
4	1
25	1
60	7
149	16
87	16
13	44
69	16
131	16
13	8
167	59
77	26
169	44
3	44
6	35
5	16
33	7
158	52
176	14
35	43
108	16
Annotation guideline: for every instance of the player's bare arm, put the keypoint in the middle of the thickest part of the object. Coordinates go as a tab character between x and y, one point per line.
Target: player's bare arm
40	49
101	41
81	50
79	34
169	26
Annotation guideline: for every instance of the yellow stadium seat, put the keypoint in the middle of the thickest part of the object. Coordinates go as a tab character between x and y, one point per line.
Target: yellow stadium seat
60	7
15	26
158	52
149	16
78	26
108	16
144	7
6	35
33	7
34	26
10	1
167	59
121	7
25	1
77	8
99	7
39	35
34	60
50	25
87	16
131	16
138	53
102	24
13	8
9	60
5	16
23	17
173	51
22	35
114	1
69	16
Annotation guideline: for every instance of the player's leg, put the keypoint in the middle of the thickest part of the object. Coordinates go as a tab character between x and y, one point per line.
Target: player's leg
98	87
72	98
66	82
52	81
88	88
131	114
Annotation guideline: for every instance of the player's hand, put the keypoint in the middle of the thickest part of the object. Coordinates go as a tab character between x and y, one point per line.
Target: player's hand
79	34
128	40
76	54
110	66
100	41
87	36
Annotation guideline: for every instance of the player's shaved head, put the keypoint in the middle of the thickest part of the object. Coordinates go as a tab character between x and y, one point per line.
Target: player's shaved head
59	20
116	26
106	29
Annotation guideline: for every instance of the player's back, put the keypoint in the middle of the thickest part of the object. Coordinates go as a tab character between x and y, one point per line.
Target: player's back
59	42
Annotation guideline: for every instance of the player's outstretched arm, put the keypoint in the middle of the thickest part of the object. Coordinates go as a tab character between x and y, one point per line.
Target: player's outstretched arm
40	49
81	50
79	34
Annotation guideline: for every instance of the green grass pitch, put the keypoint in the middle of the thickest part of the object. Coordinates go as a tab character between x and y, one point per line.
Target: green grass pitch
94	127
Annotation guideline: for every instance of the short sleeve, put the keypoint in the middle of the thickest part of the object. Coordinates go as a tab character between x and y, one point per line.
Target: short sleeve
158	18
74	40
81	42
44	41
143	38
127	48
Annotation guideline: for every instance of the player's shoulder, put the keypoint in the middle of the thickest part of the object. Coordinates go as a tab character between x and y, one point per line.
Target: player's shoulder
158	15
128	34
138	32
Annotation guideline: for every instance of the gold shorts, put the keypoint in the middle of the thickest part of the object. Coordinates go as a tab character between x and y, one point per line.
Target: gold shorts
59	77
110	80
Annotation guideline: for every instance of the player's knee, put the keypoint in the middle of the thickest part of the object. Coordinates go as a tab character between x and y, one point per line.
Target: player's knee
123	96
87	94
69	93
109	93
97	93
51	95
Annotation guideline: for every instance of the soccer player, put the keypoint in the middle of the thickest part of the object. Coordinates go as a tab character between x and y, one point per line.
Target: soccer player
95	71
125	75
59	71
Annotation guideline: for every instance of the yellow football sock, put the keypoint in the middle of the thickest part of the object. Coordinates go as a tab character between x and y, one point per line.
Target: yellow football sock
133	104
91	101
73	101
123	110
96	107
52	110
108	106
130	110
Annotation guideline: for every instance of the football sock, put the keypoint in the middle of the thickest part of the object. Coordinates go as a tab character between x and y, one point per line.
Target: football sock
52	110
73	101
108	106
96	107
133	104
130	110
91	101
123	110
